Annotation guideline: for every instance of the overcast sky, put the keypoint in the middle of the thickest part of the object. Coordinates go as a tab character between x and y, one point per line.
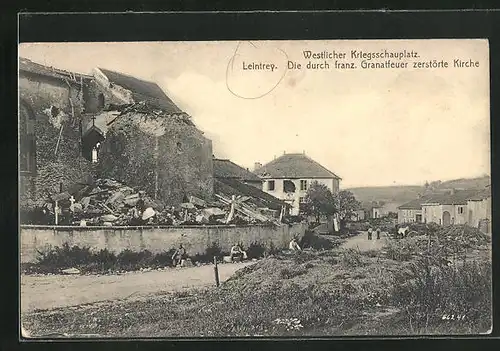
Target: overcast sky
369	126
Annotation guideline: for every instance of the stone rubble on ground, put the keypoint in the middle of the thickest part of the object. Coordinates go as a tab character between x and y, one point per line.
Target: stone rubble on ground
107	202
71	271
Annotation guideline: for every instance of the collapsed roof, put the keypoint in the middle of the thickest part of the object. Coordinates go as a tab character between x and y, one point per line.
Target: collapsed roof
259	198
228	169
142	90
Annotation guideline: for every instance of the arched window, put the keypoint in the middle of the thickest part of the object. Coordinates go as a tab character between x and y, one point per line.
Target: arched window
27	140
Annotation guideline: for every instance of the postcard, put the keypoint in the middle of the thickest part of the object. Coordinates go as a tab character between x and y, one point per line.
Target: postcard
255	188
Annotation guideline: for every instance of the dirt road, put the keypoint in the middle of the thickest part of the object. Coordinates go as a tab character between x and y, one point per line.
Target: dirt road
47	292
362	243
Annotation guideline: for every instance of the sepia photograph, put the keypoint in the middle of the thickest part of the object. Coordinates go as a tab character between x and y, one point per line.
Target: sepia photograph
288	188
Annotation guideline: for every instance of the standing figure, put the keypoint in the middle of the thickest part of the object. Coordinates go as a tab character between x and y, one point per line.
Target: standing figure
378	233
370	231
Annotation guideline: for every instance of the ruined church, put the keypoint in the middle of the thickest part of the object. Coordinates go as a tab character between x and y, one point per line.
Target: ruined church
76	127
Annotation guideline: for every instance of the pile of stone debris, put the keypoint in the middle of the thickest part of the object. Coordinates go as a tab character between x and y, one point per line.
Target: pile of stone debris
107	202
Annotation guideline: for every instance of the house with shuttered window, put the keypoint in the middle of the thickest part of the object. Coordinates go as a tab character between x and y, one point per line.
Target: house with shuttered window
289	176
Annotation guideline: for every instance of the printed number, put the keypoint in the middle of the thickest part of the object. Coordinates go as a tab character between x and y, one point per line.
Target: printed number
453	317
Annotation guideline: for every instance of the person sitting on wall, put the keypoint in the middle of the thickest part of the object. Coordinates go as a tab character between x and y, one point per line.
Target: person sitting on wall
179	256
237	251
294	245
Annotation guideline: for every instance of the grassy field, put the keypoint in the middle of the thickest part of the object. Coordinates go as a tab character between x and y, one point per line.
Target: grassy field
401	289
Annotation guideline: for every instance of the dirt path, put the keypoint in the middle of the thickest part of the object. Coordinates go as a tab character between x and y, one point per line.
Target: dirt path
362	243
48	292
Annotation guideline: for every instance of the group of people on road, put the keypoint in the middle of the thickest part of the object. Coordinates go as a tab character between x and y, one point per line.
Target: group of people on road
370	233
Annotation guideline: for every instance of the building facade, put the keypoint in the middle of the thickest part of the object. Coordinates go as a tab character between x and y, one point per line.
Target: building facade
471	207
52	108
289	176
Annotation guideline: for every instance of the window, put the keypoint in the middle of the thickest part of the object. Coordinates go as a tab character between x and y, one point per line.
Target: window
270	185
460	210
288	186
27	159
302	200
303	185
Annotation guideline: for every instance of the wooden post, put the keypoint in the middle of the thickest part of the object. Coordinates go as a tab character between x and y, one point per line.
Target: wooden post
56	212
216	270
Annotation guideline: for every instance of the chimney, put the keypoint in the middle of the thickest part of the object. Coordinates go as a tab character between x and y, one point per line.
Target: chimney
284	152
257	165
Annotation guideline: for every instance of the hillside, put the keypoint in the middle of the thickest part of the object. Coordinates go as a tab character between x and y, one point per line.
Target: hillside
405	193
465	183
396	194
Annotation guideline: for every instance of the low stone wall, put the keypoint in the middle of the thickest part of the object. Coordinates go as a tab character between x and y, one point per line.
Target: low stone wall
195	239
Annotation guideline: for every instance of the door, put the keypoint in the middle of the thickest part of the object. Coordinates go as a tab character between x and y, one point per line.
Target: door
446	218
418	218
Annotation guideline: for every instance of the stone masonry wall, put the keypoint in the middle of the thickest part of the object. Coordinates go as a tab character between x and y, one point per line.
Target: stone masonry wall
196	239
49	99
168	158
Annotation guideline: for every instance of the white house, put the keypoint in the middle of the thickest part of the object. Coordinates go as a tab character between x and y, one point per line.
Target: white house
289	176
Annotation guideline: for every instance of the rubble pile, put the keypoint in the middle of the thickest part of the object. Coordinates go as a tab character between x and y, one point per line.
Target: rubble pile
107	202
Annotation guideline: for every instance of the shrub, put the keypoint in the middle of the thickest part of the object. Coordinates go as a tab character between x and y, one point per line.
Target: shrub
400	250
164	258
427	294
255	250
104	260
313	241
64	257
130	260
272	250
370	253
293	271
351	258
53	259
303	256
213	250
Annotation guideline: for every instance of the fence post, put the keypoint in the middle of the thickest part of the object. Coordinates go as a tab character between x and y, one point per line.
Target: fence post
216	271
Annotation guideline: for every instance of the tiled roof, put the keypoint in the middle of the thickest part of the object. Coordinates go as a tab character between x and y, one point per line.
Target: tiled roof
415	204
142	90
294	166
228	169
481	195
459	197
259	198
33	67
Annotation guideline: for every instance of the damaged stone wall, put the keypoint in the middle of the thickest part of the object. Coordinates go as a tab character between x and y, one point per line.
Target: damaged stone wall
57	106
163	155
102	94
